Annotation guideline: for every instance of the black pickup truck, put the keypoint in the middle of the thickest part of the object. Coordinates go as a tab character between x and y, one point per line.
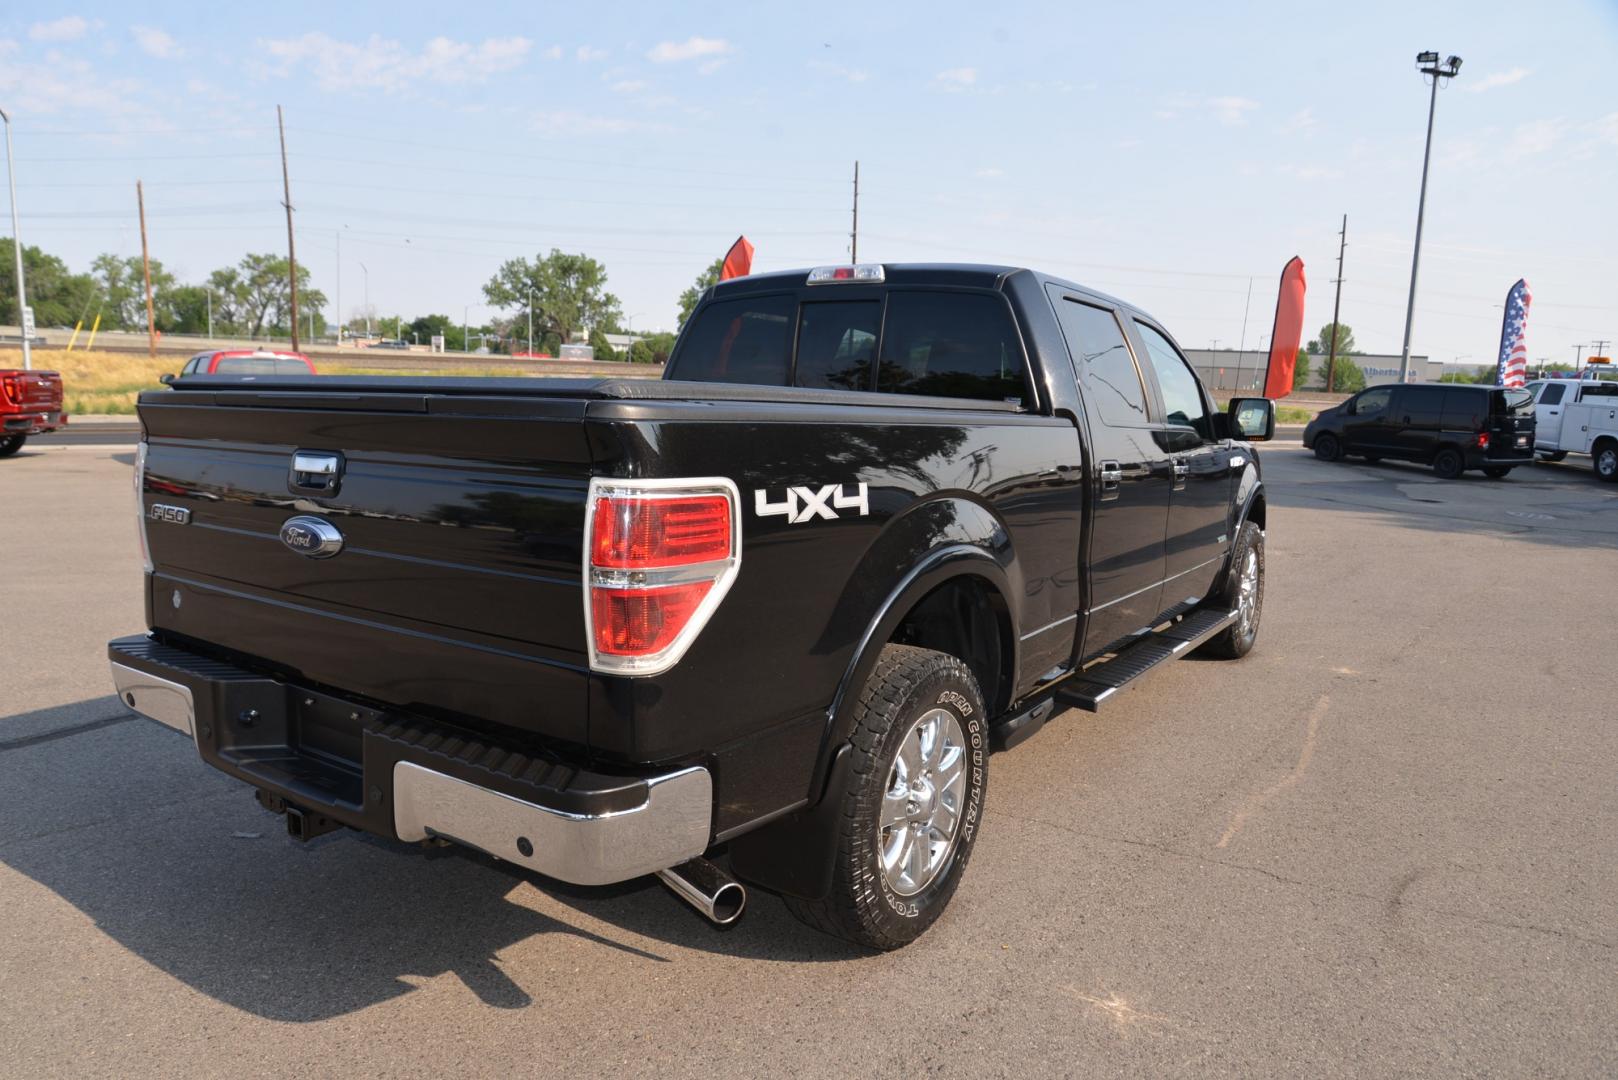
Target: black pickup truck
780	605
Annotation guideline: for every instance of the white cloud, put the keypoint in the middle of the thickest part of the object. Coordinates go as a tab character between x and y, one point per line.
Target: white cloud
1534	138
853	75
1310	172
1301	121
709	67
1607	128
956	78
552	53
67	28
1231	111
585	54
692	48
380	63
154	42
628	86
1499	78
571	122
1228	110
990	173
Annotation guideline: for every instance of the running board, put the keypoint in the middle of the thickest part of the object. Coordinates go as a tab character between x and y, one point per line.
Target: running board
1098	683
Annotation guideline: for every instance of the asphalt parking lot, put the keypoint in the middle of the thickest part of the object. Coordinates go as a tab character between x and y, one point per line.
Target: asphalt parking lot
1385	843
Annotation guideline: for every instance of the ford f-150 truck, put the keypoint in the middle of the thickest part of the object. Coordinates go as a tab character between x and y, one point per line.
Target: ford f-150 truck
30	404
776	609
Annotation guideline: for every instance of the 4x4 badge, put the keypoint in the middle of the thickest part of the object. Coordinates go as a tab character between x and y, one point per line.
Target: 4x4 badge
805	504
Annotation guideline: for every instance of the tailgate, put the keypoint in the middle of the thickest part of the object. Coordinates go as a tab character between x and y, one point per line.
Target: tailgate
34	391
456	590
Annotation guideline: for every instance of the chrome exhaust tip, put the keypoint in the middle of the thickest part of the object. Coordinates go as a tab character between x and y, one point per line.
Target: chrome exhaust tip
720	897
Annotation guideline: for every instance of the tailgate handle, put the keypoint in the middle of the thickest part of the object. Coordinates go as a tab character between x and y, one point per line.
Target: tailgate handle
315	472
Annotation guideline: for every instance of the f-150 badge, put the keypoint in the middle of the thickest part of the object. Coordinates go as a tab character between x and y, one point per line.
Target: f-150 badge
803	504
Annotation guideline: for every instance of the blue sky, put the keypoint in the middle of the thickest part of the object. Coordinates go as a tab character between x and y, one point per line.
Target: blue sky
1164	153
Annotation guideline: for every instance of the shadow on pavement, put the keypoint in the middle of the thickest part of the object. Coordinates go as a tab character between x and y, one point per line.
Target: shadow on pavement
177	864
1560	506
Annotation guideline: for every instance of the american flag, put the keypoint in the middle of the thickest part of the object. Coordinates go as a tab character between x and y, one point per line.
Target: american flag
1513	367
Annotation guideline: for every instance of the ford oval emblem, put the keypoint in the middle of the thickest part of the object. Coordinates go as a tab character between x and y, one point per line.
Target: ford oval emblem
311	536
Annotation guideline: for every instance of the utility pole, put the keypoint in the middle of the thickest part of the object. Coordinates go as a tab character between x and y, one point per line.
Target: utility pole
1241	350
16	249
146	266
209	292
854	233
292	254
339	234
1438	72
1336	309
1578	354
530	321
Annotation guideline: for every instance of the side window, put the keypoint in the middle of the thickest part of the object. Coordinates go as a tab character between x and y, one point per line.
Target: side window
1424	405
1104	362
836	344
1373	402
190	366
1463	410
748	340
1182	394
1552	394
949	344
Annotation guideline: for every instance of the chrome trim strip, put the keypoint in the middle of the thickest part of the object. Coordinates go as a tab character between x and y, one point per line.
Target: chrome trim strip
666	830
169	703
1048	626
1149	588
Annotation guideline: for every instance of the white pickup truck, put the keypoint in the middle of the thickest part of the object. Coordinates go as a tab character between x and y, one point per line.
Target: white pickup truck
1577	416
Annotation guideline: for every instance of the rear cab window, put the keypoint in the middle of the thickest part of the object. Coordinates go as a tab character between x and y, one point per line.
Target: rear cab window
935	342
1103	361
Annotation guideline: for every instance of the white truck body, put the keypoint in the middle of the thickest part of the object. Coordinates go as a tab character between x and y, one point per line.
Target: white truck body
1577	416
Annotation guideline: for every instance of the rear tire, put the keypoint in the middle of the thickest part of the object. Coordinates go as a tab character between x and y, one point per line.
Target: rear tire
1605	458
1328	447
914	801
1448	464
10	444
1497	472
1242	591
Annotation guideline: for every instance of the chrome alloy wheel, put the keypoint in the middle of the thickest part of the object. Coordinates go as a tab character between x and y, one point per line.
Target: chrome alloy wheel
921	805
1247	595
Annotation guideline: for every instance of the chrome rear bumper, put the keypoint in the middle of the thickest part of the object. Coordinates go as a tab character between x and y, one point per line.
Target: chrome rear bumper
670	827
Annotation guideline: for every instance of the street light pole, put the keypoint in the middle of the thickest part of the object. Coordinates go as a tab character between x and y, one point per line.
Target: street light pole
366	274
1437	72
16	249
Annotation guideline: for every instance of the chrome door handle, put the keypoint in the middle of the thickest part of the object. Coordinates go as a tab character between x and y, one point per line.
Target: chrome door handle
1180	471
1111	474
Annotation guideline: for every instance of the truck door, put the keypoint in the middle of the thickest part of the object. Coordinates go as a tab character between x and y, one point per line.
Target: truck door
1548	415
1130	480
1199	500
1368	427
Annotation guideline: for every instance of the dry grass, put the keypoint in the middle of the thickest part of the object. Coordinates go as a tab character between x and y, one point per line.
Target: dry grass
107	383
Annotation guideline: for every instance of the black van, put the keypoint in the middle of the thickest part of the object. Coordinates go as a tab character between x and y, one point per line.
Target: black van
1450	426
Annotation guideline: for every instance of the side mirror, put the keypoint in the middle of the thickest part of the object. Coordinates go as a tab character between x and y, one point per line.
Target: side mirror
166	379
1253	418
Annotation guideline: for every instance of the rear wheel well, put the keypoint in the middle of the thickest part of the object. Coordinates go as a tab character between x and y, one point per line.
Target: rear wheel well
967	618
1255	513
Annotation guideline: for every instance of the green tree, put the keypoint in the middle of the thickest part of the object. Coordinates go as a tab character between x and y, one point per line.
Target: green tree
569	293
121	280
661	345
601	348
705	280
1300	369
58	297
427	327
640	352
1321	346
1347	377
187	311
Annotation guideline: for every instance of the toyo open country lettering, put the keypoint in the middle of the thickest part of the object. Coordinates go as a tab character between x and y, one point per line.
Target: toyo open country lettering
538	618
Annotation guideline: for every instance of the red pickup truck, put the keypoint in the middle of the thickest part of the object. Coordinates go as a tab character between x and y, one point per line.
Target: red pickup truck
30	404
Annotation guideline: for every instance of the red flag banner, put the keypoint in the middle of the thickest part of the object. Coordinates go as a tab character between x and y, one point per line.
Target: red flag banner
1288	331
738	260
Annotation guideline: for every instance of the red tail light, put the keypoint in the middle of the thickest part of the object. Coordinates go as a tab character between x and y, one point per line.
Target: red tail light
1483	440
661	556
10	385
